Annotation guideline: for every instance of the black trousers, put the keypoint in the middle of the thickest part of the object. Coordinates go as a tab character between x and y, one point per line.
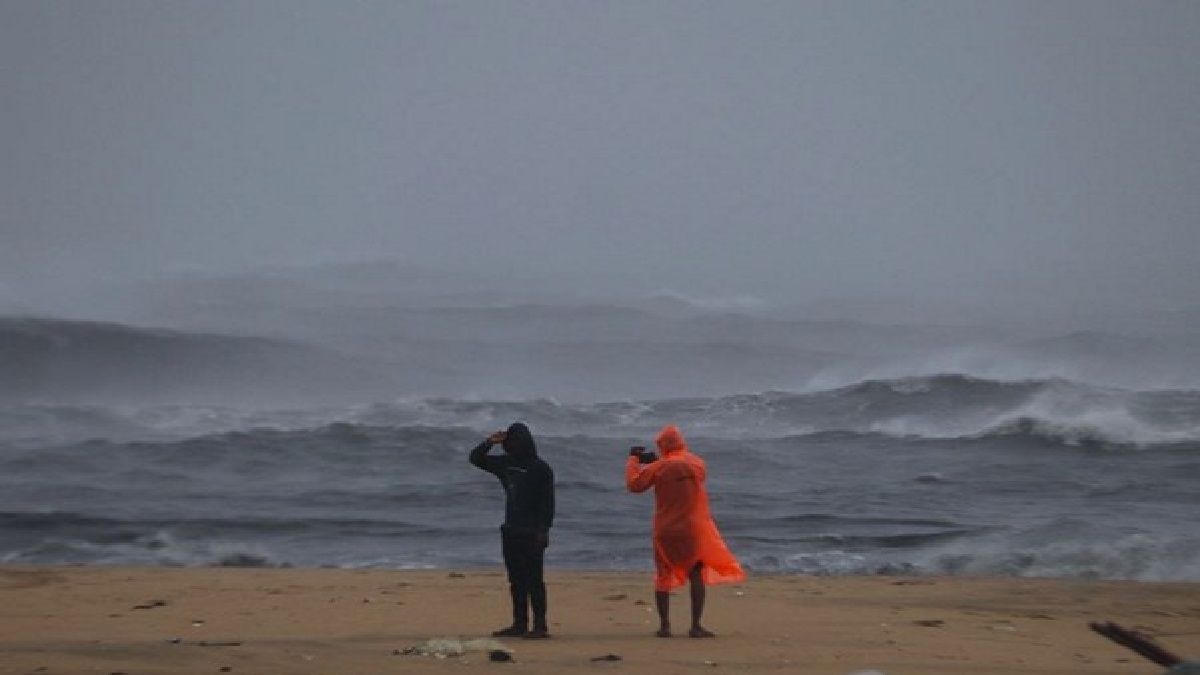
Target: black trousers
523	558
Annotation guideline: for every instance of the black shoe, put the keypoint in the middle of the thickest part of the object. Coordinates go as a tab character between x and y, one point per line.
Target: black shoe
538	632
511	631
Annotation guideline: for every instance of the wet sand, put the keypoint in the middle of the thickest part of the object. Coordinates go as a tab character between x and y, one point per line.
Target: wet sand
210	620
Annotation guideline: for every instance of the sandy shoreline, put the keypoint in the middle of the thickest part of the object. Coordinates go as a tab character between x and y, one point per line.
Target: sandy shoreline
208	620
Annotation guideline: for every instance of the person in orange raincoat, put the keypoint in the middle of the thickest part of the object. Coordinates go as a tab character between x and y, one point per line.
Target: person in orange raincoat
687	545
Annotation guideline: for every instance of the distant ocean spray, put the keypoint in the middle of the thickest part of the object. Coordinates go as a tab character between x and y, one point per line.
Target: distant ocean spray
944	474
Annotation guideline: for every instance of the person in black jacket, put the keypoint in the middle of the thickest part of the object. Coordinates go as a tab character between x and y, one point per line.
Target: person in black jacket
528	514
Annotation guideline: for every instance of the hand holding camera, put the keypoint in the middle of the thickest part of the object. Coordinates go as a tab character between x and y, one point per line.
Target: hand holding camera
644	456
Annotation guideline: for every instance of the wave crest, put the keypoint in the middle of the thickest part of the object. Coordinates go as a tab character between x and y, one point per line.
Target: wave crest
936	407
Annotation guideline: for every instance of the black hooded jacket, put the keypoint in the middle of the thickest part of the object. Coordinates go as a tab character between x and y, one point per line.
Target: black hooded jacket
528	481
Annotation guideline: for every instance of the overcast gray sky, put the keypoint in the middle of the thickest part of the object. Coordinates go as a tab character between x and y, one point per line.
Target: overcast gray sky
788	150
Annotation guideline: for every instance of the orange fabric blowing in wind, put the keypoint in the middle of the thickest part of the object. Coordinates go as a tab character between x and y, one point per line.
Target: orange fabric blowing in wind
684	531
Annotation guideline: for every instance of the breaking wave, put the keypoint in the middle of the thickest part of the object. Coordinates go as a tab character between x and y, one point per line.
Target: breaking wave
940	407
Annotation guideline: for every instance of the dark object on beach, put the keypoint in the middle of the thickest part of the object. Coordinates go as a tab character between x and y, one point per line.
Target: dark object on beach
218	644
499	656
1136	642
607	657
151	605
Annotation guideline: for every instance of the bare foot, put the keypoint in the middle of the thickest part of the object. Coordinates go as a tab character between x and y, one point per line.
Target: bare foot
699	632
663	632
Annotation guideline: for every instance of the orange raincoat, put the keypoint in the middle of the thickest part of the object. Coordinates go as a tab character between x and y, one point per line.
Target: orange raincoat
684	531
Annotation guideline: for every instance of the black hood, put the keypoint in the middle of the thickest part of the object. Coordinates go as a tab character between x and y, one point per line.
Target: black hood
518	442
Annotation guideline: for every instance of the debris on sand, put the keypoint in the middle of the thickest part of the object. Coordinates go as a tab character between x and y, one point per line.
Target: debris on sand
446	647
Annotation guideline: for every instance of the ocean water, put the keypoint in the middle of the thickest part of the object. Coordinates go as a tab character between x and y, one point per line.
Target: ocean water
932	474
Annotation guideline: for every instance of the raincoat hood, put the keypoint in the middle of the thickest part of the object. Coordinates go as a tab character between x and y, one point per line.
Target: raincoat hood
670	442
518	442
